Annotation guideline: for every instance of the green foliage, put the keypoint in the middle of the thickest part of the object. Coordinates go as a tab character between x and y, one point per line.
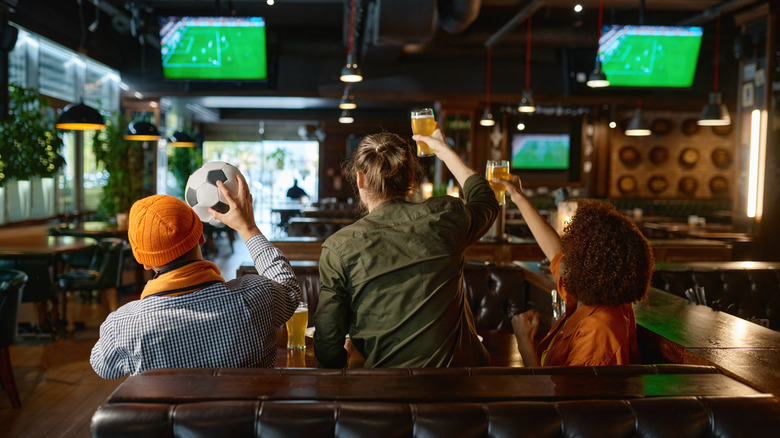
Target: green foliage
123	161
182	162
278	156
29	143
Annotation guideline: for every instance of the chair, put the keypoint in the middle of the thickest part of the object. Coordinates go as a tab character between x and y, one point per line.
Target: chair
11	285
104	274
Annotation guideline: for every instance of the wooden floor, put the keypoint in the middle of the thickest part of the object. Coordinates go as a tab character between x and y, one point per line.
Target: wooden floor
58	389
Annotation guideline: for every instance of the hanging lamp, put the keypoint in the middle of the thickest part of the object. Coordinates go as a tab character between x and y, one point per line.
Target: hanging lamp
487	116
347	101
526	104
351	71
141	130
715	112
638	126
80	117
597	78
181	139
346	117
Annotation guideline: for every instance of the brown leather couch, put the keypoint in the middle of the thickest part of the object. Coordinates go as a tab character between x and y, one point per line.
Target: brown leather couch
495	293
644	400
749	290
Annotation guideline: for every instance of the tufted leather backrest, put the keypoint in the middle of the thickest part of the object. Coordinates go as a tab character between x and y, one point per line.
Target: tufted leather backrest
648	417
751	294
495	293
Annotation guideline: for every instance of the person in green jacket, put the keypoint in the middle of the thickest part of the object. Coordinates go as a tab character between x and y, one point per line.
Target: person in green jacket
392	280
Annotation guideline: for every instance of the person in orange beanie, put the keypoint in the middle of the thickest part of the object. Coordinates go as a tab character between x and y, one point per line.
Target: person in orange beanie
188	315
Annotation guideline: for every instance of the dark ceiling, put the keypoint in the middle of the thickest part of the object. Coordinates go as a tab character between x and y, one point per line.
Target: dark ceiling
407	55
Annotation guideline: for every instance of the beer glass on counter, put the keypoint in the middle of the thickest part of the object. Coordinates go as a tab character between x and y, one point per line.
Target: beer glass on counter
423	123
296	327
498	169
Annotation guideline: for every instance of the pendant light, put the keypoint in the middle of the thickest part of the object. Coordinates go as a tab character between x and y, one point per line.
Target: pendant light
347	101
597	78
526	104
487	116
714	112
181	139
346	117
141	130
638	126
351	72
80	117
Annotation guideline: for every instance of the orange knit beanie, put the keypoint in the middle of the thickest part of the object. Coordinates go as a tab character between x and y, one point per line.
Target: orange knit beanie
162	228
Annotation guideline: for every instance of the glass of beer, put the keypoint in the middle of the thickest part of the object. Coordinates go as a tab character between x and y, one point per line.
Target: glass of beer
497	169
423	123
296	327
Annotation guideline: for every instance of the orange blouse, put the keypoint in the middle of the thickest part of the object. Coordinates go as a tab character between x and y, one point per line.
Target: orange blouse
589	335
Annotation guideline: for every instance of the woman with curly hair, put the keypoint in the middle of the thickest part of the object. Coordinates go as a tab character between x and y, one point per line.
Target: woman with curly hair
602	264
392	280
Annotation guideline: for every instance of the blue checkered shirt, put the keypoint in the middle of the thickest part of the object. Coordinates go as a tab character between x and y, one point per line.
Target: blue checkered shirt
230	324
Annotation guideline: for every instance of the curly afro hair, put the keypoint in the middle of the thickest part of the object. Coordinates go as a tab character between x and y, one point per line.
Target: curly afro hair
606	259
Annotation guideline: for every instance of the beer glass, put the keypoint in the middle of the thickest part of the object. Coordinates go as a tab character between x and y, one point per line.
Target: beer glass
296	327
497	169
423	123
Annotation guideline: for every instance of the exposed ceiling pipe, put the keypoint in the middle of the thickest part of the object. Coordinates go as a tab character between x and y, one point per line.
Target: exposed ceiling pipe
125	21
710	14
521	16
455	16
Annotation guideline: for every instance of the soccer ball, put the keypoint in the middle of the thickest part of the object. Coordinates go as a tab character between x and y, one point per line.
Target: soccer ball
202	191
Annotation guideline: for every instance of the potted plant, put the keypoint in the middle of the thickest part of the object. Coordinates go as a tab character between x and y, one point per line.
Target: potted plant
123	165
29	147
278	155
182	162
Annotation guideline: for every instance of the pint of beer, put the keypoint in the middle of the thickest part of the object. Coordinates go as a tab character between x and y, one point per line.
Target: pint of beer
296	327
497	169
423	123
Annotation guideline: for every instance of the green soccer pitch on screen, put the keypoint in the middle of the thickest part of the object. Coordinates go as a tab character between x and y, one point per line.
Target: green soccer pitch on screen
208	48
649	56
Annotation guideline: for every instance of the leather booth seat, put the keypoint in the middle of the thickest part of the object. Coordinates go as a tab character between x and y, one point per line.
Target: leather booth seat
655	417
751	293
494	292
635	400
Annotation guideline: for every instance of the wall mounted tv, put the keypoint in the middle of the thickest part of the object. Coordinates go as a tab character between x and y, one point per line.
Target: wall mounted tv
649	56
548	150
214	48
540	151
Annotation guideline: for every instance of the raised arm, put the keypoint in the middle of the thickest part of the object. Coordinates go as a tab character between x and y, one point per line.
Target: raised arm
241	215
457	167
545	235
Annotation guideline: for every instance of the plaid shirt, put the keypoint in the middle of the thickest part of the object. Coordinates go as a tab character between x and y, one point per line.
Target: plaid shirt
229	324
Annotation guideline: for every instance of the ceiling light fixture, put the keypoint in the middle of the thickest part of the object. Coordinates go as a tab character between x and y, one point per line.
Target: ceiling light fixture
141	130
181	139
346	117
351	72
347	101
714	112
487	116
638	126
526	104
597	78
80	117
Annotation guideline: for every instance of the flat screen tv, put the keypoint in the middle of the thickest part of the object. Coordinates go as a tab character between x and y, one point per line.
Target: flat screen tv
540	151
214	48
649	56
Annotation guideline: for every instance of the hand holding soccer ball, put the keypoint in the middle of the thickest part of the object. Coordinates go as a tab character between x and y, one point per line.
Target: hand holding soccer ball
202	192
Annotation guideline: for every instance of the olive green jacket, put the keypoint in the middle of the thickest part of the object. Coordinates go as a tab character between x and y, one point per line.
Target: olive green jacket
393	281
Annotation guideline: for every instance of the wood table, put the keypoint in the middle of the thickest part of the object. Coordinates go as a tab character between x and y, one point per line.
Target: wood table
18	244
673	329
501	345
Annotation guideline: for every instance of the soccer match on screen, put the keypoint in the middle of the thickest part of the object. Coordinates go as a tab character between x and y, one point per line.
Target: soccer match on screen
540	151
650	56
230	48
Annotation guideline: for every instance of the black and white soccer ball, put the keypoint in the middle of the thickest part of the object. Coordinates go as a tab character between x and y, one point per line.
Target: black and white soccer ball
202	191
